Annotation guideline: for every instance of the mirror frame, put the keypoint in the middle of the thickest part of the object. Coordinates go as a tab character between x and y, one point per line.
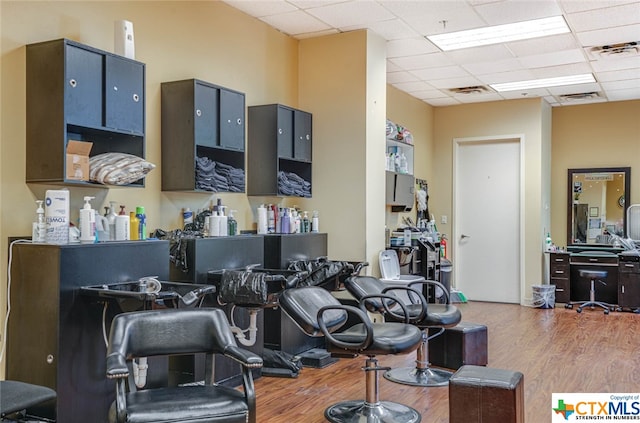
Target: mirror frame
627	191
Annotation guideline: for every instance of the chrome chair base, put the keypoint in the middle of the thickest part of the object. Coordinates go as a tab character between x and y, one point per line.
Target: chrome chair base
419	377
363	412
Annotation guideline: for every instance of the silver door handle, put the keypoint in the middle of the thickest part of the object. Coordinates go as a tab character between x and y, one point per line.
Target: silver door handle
463	236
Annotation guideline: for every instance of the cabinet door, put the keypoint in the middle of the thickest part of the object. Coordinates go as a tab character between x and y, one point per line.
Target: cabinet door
206	115
83	87
302	136
231	120
124	91
285	133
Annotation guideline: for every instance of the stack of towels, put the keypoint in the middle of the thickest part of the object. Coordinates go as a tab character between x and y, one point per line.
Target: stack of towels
218	177
291	184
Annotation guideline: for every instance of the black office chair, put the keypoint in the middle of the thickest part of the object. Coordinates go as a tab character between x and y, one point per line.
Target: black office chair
423	315
16	398
170	332
318	313
593	276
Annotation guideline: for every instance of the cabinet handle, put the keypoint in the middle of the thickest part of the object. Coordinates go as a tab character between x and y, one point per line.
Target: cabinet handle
622	289
136	98
628	265
308	137
73	83
198	112
559	289
559	272
279	131
239	121
559	260
49	358
594	260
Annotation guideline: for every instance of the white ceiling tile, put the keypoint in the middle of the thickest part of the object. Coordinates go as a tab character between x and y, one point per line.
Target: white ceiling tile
553	59
491	67
502	77
613	64
516	95
441	72
573	6
309	4
442	102
620	75
575	89
395	77
616	35
510	11
448	83
410	47
411	87
629	84
295	23
429	94
341	15
421	61
563	70
449	20
392	67
543	45
480	54
477	98
605	18
393	29
622	95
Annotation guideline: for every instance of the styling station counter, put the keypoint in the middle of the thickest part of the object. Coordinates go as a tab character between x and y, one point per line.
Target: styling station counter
55	334
620	287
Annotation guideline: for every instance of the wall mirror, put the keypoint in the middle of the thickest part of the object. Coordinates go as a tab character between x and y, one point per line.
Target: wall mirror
597	203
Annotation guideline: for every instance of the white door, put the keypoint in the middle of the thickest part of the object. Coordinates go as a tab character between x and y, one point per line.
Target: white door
487	219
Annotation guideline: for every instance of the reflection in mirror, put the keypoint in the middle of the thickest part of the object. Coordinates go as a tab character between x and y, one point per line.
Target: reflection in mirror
597	202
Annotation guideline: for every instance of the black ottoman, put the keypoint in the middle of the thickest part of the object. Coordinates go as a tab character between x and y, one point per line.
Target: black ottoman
463	344
484	395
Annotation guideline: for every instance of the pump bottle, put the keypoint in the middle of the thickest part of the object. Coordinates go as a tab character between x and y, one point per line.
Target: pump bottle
111	220
315	222
40	225
306	223
133	226
232	224
87	222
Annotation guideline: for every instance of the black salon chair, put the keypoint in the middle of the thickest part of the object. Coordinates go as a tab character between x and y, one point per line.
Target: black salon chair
592	276
172	332
424	315
318	313
16	398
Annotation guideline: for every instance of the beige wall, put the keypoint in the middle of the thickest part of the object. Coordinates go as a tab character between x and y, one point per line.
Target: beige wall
593	135
417	116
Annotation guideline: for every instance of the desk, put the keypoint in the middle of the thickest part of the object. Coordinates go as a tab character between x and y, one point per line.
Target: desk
622	283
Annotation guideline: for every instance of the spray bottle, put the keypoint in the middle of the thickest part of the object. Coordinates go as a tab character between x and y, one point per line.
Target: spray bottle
285	223
111	220
87	222
142	222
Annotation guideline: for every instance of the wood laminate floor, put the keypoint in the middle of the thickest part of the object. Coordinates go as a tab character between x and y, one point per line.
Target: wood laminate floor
557	350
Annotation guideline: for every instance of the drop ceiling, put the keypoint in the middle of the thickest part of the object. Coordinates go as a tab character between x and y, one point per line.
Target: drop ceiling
419	68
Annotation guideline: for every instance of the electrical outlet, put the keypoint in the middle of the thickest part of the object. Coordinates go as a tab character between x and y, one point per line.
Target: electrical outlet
443	219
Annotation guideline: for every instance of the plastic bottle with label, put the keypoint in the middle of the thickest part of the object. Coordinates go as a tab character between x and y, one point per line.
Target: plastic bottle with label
142	222
87	222
315	222
133	226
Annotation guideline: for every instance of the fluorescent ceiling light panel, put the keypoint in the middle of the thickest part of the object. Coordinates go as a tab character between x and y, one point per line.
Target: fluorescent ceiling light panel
545	82
500	33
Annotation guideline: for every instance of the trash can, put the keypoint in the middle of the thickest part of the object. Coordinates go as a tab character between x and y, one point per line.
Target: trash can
544	296
446	267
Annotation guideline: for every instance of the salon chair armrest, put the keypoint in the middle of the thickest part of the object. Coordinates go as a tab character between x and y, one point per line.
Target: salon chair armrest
434	283
244	357
117	366
356	345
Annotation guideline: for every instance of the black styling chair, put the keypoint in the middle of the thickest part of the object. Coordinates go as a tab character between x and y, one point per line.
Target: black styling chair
422	314
16	398
170	332
318	313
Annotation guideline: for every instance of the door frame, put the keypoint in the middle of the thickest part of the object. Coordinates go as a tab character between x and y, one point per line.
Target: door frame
457	143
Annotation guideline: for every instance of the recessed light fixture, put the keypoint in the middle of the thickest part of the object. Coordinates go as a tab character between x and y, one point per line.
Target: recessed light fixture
545	82
500	33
